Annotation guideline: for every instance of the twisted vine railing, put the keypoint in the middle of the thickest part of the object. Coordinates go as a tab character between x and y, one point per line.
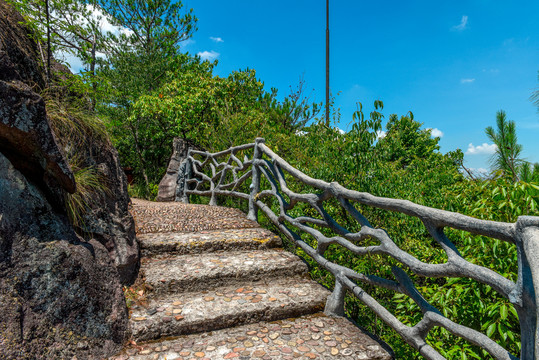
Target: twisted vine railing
227	178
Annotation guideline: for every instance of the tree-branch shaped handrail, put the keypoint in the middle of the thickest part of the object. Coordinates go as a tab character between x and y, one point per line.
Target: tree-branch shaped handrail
264	163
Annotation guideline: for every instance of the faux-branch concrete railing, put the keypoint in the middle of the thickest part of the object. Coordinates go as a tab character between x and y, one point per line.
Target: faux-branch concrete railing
224	179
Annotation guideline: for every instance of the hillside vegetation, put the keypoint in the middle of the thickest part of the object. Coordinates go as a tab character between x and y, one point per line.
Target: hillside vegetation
147	92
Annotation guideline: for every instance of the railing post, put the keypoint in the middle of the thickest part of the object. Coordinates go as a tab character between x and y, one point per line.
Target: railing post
185	173
335	301
255	183
527	233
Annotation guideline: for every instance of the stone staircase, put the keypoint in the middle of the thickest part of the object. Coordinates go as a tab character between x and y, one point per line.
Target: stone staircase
229	293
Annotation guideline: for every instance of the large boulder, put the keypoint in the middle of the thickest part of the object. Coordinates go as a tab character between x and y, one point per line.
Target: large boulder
18	54
59	295
108	220
169	183
27	140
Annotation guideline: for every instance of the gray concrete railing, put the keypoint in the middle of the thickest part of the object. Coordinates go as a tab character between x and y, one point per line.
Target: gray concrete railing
224	178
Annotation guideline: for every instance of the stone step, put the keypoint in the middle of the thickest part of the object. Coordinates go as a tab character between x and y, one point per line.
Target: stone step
188	273
188	313
207	241
310	337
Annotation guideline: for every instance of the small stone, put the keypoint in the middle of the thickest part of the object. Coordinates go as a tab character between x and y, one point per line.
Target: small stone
227	299
327	332
261	291
319	324
209	298
347	352
231	355
248	344
311	355
177	311
334	351
286	350
303	348
210	348
273	336
199	354
140	318
185	353
145	352
259	353
178	317
151	311
177	303
167	318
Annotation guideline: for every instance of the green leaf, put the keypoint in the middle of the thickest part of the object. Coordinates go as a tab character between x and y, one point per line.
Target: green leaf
491	329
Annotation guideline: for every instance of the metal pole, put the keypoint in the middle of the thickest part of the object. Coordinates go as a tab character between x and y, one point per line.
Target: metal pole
327	62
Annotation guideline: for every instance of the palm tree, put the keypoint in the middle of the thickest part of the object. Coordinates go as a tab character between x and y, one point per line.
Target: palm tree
507	156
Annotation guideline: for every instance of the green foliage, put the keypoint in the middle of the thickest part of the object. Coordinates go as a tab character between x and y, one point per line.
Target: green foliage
507	157
406	164
90	182
141	191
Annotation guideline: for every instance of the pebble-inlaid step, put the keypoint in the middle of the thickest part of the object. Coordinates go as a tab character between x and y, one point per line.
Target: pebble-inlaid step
213	280
188	273
156	217
207	241
178	314
310	337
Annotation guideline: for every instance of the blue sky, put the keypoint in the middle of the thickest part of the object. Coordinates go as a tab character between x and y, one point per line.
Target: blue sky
452	63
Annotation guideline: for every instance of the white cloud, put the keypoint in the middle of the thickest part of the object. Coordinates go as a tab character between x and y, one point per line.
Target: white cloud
462	25
487	149
340	130
380	134
217	39
436	132
467	81
208	55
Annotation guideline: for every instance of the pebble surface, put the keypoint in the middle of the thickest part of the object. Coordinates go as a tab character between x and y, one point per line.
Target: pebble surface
310	337
157	217
214	287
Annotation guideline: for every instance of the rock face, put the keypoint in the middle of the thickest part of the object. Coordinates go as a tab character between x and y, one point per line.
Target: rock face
60	295
167	186
109	220
18	56
26	139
